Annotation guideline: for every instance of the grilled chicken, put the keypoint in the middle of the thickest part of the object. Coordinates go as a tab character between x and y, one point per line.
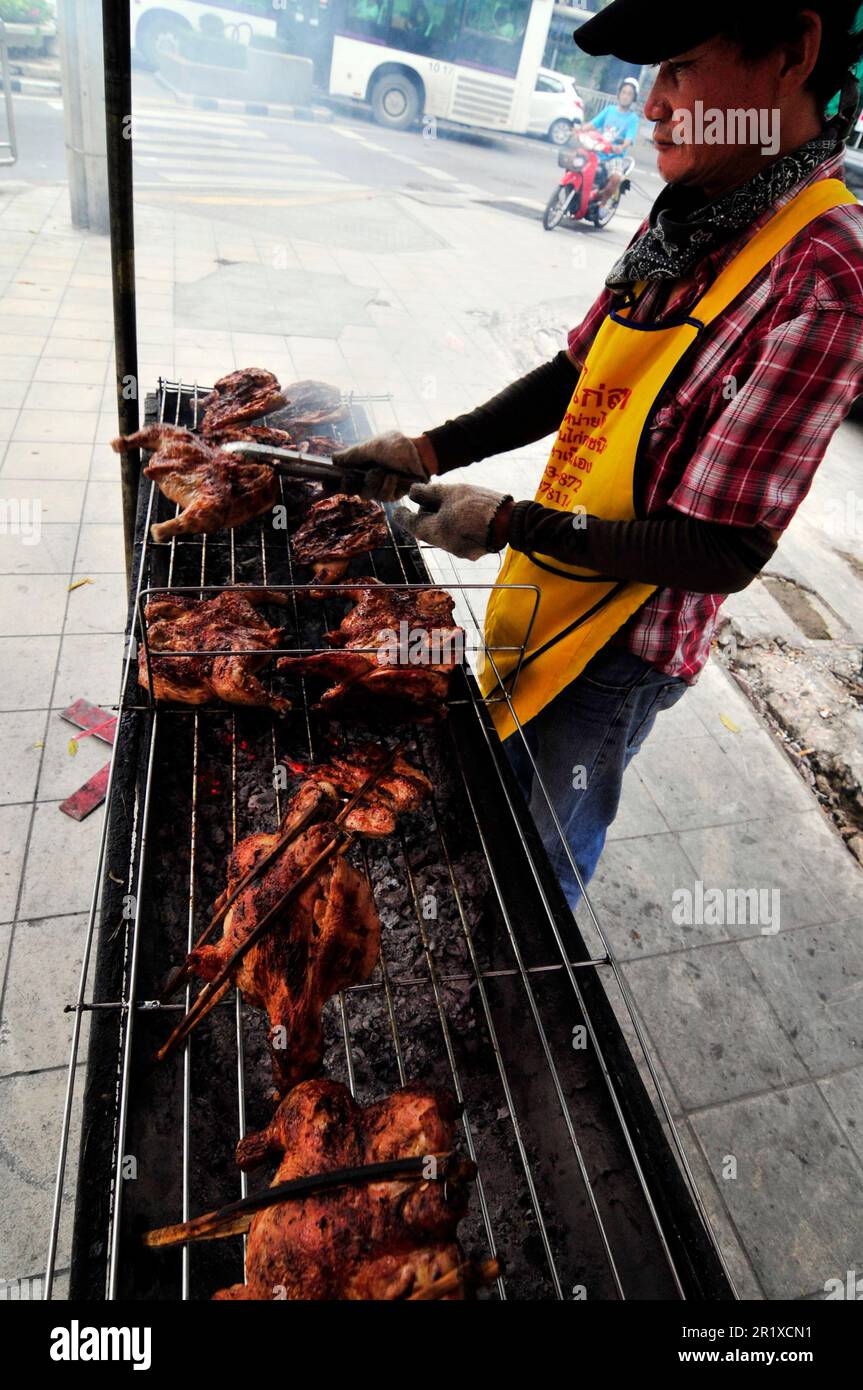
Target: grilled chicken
252	434
227	621
240	397
402	788
384	1240
334	530
213	489
327	938
413	650
311	403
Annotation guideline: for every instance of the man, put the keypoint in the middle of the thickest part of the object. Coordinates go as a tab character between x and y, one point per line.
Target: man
619	122
698	399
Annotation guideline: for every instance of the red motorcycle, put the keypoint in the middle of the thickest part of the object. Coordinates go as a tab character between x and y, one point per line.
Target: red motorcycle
585	176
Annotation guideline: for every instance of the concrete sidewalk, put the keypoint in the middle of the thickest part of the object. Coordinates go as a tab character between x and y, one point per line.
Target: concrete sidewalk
758	1035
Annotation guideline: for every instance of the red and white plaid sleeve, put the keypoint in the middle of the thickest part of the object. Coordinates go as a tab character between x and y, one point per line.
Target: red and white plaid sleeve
770	419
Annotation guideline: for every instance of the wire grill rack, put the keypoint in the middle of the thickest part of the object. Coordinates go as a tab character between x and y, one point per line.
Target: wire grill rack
485	985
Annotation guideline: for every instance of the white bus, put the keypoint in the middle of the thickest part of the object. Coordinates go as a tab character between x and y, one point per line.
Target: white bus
474	62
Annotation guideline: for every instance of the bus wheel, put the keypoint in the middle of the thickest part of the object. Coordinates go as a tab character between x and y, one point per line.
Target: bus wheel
395	101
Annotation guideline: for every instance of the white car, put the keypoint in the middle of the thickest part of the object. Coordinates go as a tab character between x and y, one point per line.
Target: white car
555	107
153	20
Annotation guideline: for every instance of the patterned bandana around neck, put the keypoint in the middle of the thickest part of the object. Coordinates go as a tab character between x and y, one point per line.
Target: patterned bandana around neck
683	228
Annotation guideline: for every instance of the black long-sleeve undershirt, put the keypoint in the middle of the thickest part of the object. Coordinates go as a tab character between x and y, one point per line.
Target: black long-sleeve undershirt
676	552
673	552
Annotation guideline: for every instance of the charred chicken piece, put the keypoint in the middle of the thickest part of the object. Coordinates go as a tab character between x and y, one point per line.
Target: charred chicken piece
240	397
229	621
385	1240
253	434
311	403
327	938
213	489
402	788
386	679
334	530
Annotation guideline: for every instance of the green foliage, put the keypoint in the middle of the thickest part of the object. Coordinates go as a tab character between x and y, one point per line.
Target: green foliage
26	11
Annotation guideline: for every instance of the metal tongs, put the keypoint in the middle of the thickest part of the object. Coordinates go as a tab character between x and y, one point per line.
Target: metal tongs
314	467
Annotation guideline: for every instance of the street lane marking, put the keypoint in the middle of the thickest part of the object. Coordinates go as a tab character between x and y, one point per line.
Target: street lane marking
437	173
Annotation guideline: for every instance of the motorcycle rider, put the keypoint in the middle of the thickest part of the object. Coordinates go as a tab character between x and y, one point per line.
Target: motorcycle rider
618	122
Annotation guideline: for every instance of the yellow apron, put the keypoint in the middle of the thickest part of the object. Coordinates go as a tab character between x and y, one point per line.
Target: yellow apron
592	470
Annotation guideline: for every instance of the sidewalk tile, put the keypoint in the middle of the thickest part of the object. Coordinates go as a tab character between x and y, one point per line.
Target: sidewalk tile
797	1187
60	501
712	1025
62	773
14	821
632	893
639	813
17	367
765	854
104	500
21	736
46	461
32	1109
27	671
100	546
52	554
844	1094
67	397
90	669
711	1190
100	606
32	604
43	974
71	427
814	980
58	844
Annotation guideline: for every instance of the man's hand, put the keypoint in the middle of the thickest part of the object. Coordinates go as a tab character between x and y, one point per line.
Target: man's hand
382	458
464	520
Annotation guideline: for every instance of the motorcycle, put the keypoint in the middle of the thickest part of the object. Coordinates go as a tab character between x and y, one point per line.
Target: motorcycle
585	176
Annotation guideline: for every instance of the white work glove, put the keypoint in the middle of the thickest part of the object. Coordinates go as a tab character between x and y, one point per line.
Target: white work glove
455	517
374	458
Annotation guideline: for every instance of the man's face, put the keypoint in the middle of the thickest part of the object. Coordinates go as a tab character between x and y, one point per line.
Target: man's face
715	75
626	97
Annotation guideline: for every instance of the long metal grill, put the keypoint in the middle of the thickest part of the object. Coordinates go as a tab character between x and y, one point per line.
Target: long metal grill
484	986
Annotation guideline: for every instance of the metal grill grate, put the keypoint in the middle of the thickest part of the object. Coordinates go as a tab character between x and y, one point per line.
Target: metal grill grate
483	985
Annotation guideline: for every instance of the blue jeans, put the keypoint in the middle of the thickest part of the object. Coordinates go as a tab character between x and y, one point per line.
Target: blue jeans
582	743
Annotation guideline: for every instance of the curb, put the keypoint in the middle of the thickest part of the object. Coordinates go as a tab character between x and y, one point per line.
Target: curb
247	108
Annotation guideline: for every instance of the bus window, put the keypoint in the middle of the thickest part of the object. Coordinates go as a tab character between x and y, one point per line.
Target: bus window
492	34
367	19
424	26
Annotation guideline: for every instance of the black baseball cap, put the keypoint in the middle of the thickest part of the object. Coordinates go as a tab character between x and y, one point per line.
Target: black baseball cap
642	31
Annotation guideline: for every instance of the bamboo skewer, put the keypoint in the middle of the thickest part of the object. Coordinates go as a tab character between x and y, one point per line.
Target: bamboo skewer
236	1217
212	992
467	1276
181	974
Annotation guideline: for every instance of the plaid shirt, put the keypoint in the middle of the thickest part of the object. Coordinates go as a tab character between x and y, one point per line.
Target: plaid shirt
794	345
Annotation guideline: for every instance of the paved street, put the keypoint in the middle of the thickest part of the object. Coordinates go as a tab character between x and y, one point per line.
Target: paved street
417	270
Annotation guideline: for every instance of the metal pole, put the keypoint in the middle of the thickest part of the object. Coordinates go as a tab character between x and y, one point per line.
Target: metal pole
117	47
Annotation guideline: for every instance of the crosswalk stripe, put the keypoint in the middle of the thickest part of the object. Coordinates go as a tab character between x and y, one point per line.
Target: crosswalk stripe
206	181
437	173
156	155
